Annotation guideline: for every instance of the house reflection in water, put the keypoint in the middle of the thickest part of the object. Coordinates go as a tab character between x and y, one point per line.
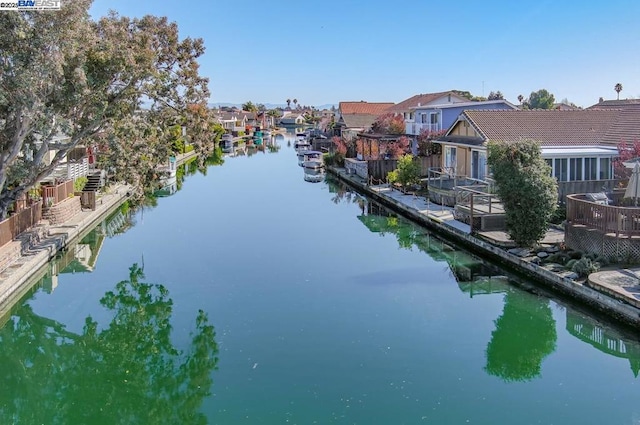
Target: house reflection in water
473	275
605	339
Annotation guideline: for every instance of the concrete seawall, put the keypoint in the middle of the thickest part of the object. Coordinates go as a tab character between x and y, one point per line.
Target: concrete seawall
615	308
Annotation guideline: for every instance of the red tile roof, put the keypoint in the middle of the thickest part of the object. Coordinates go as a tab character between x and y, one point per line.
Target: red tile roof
555	127
362	107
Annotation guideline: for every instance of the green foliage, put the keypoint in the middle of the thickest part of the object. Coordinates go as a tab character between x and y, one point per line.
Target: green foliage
406	173
524	335
334	159
495	96
93	75
540	99
559	215
576	255
558	258
525	187
78	184
585	266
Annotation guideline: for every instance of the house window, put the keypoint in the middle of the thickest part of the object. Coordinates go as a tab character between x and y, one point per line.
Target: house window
560	171
450	159
433	118
575	169
591	169
411	115
423	119
605	169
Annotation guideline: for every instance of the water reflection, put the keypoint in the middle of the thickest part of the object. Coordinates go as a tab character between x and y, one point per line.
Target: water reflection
525	334
314	175
125	372
604	338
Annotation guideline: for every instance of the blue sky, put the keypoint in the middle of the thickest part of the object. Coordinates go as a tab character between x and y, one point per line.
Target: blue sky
382	51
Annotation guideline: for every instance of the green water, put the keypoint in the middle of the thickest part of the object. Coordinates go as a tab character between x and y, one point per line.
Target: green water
251	296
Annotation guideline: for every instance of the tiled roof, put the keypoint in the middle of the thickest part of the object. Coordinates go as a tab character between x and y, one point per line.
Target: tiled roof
362	107
617	104
625	129
364	121
549	127
420	99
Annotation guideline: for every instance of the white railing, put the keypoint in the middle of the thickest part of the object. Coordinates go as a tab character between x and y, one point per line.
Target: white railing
78	168
429	127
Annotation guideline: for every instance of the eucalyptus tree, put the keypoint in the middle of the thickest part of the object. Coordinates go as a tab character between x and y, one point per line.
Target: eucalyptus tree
68	80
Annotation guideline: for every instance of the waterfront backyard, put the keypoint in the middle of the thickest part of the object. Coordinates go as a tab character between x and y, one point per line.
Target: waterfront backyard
253	296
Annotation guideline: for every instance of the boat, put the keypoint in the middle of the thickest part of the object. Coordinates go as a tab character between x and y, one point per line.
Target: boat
301	144
313	164
310	159
314	175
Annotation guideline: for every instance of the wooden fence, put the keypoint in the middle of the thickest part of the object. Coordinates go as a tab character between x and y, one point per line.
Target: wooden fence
379	168
19	222
620	221
55	194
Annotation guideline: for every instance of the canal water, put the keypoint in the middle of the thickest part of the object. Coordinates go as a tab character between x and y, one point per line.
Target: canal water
257	295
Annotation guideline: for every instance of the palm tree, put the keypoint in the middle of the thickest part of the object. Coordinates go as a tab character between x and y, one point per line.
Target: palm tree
295	102
289	103
520	98
249	107
618	89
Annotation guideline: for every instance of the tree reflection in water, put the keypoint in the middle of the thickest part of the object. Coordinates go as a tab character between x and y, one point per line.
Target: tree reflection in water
525	334
127	372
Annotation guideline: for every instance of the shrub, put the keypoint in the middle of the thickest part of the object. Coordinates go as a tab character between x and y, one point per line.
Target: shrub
334	158
584	267
526	188
79	183
575	254
570	264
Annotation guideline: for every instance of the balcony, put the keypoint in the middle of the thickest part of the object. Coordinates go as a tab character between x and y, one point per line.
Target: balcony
427	127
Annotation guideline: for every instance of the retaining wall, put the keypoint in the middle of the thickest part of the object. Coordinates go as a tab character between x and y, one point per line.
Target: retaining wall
597	300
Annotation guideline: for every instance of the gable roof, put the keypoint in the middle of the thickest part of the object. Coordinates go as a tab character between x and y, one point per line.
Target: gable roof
551	127
362	107
423	99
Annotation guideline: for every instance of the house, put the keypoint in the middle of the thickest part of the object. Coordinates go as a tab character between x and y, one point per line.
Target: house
578	145
357	117
439	117
407	107
292	119
625	104
233	121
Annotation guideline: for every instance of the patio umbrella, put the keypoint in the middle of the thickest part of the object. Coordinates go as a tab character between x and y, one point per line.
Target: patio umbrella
633	188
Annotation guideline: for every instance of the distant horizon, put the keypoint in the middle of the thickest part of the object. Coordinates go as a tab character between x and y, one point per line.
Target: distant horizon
268	105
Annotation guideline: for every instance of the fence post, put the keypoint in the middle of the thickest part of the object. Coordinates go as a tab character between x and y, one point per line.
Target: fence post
471	221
